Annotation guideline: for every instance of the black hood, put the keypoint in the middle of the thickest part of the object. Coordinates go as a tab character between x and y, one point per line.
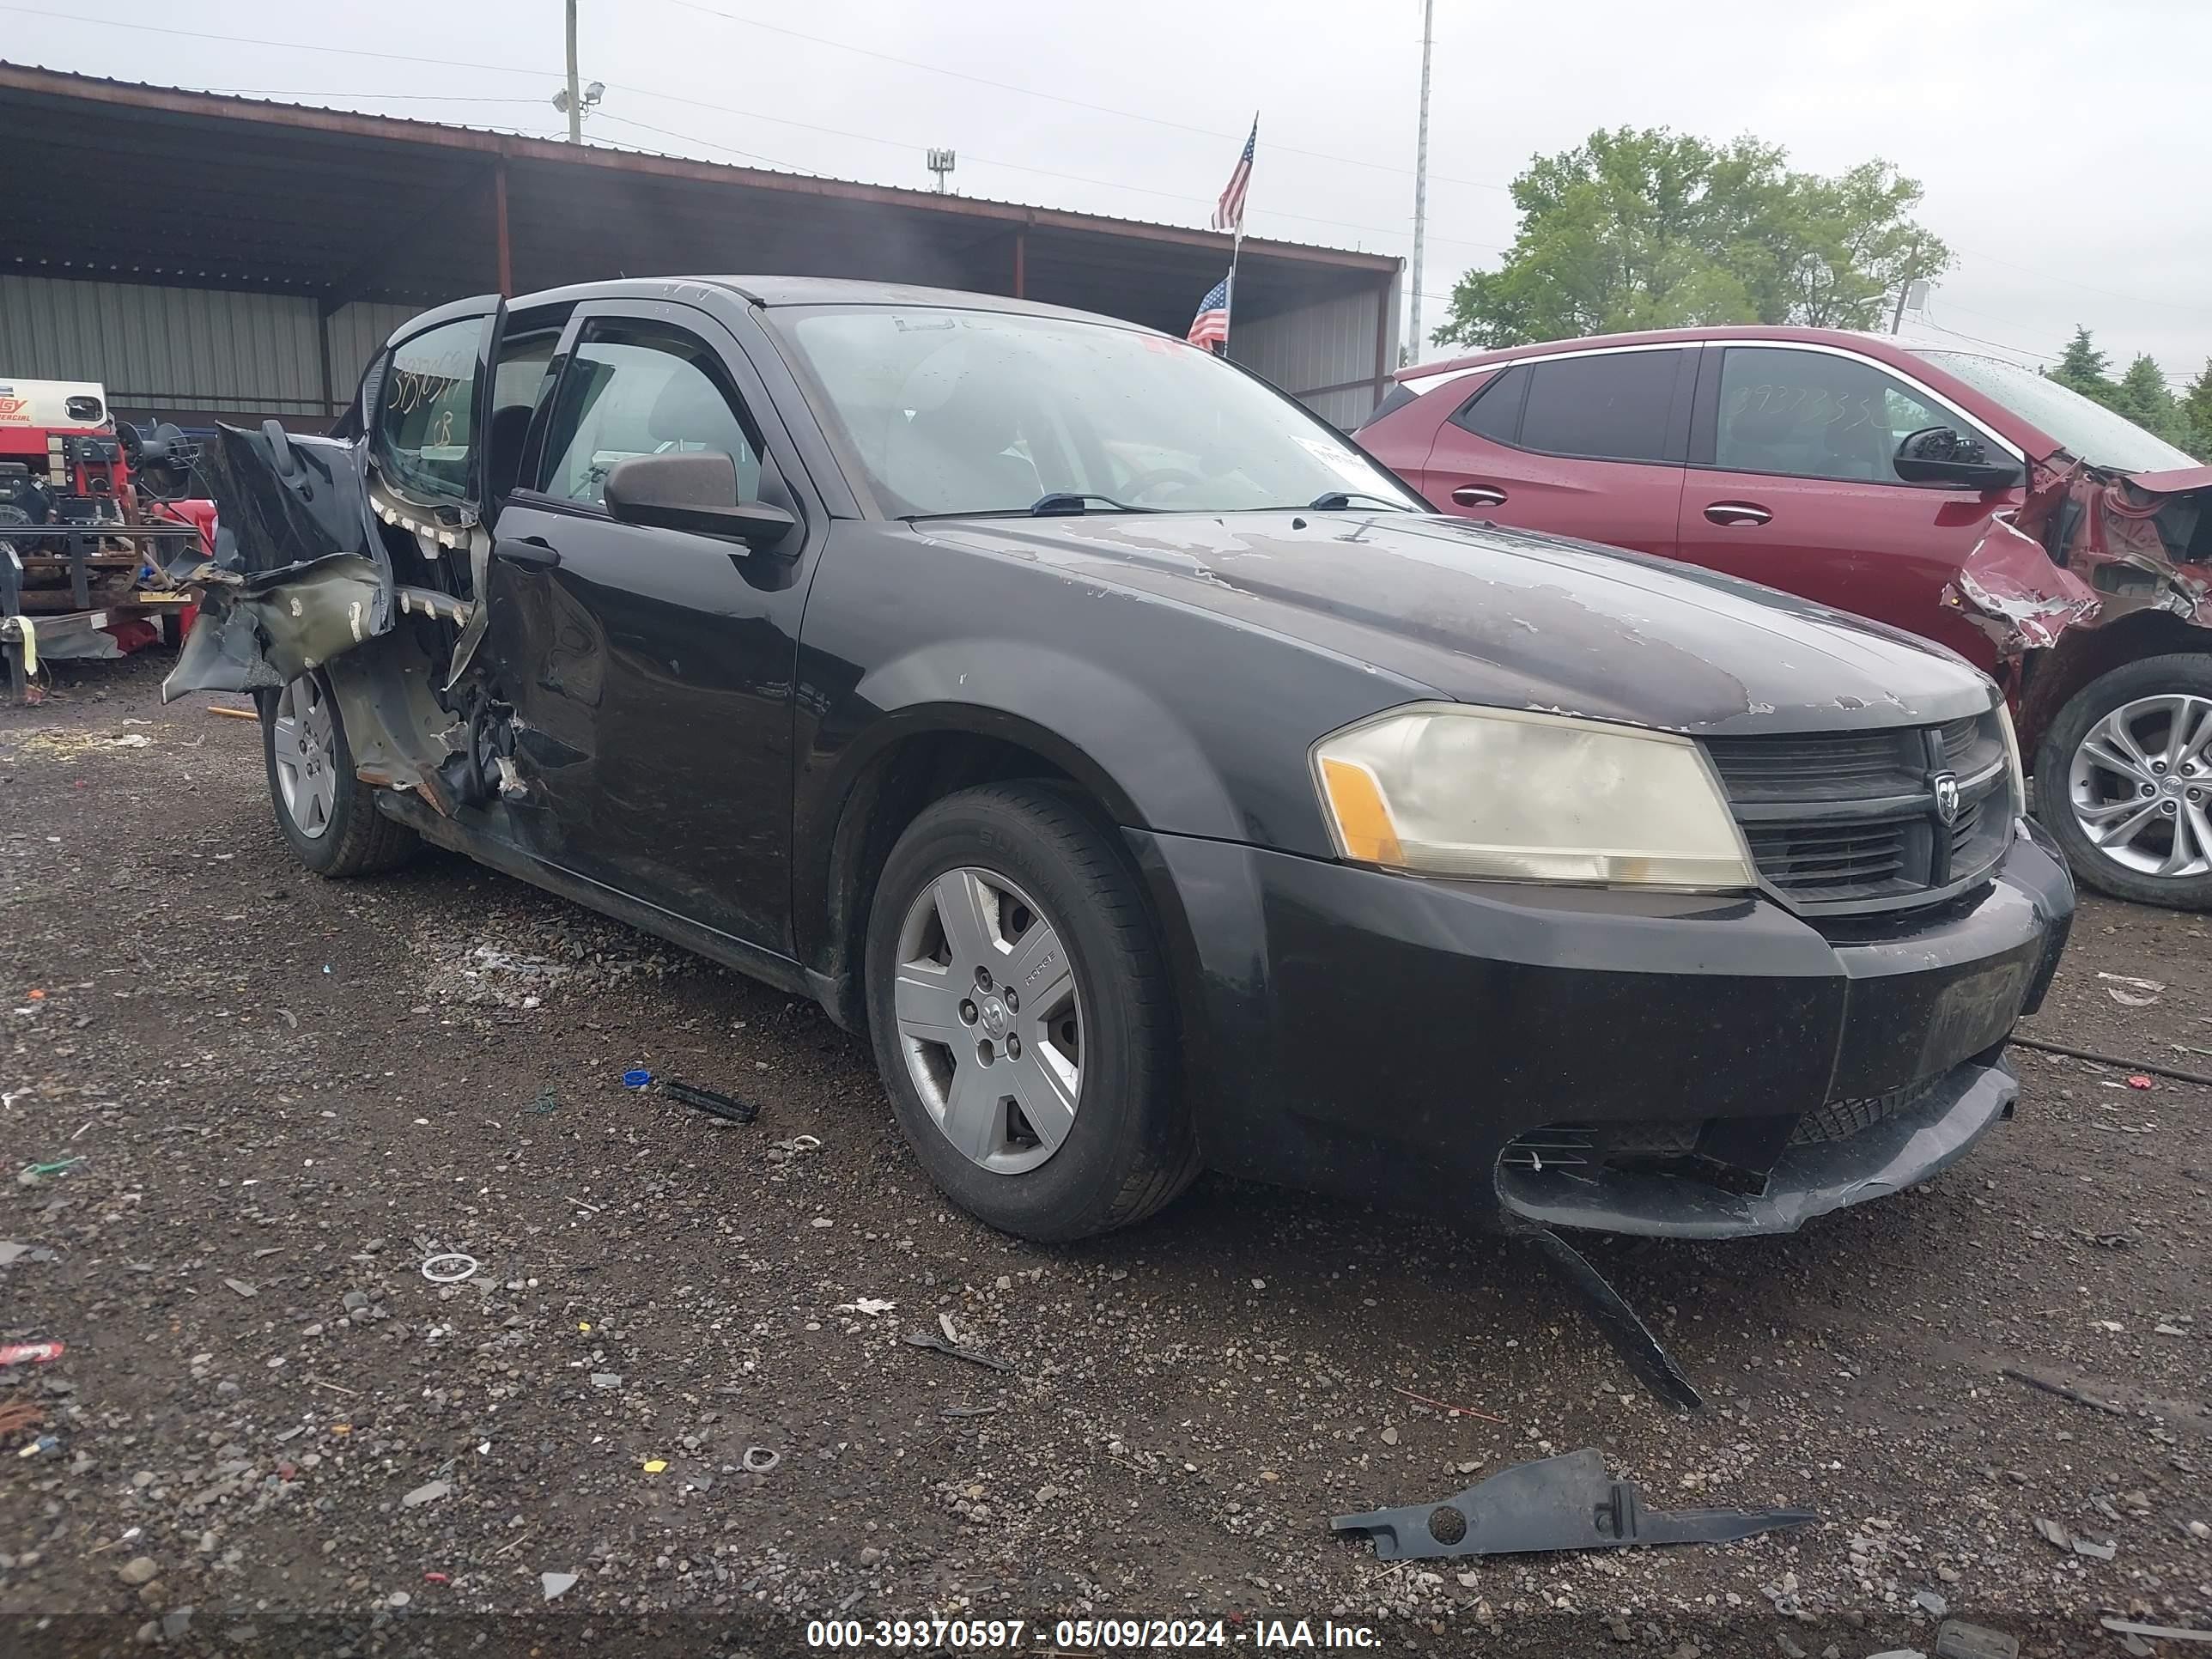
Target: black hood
1512	619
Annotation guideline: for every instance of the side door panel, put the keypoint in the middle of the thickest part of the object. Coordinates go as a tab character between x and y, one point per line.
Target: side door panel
649	671
1482	466
1872	544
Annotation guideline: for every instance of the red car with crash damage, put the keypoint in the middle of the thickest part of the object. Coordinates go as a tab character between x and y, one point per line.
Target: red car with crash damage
2052	543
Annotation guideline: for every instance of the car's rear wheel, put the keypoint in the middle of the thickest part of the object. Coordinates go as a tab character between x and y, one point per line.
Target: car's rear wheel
1021	1016
2124	780
327	814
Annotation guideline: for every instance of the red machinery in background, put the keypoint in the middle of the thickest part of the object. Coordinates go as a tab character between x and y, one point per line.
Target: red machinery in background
89	514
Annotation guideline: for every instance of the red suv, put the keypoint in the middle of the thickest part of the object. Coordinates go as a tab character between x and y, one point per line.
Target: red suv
2050	541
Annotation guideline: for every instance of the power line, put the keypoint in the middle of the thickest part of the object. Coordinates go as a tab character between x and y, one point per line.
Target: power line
2110	293
135	27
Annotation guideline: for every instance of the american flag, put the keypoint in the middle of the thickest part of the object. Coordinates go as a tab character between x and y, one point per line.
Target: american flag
1228	211
1211	326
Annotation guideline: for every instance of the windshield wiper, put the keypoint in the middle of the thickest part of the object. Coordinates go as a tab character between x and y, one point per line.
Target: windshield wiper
1335	501
1064	503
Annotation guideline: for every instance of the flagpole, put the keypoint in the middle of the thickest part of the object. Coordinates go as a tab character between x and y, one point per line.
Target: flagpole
1236	246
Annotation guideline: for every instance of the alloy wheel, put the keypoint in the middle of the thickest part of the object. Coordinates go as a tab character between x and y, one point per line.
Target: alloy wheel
990	1019
2140	785
307	775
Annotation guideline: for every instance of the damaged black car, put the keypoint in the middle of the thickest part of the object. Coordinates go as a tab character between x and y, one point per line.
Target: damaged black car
1158	781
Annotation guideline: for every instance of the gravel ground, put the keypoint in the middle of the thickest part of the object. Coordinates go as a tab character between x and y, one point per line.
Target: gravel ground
270	1432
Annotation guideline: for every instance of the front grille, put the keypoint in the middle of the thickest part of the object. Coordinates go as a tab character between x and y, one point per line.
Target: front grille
1840	821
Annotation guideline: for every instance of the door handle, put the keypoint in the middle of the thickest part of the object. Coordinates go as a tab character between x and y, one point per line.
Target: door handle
1737	513
529	550
1478	495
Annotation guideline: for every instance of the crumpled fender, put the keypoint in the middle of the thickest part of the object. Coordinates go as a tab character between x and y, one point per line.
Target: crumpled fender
262	633
2009	588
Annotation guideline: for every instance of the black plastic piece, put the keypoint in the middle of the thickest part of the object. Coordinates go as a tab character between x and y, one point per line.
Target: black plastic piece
1654	1367
1564	1502
707	1100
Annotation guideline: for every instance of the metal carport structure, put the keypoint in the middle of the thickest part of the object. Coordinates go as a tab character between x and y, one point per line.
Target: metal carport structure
216	257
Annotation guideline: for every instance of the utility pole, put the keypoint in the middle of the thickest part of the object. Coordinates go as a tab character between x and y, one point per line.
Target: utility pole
1421	185
1912	292
575	103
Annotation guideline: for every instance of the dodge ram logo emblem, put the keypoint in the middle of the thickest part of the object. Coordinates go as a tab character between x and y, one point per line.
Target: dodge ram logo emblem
1947	796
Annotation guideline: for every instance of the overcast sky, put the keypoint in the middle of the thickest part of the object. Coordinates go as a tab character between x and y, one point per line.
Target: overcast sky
2064	146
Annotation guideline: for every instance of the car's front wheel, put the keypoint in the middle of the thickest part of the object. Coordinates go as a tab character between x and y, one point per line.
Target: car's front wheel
326	813
1022	1018
2124	780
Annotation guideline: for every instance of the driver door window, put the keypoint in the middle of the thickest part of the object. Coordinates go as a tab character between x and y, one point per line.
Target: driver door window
1813	414
636	388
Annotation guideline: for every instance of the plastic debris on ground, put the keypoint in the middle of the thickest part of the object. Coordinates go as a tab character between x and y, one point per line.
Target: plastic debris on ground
31	1354
709	1101
439	1269
557	1584
636	1078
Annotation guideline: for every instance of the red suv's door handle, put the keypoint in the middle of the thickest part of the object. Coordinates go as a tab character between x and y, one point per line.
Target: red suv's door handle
1737	513
1478	495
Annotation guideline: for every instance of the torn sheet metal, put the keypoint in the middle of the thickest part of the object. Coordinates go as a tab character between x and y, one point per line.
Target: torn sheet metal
2009	589
2140	541
260	633
1564	1502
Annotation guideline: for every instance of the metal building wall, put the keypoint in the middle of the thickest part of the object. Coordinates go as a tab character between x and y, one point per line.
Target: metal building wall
357	331
1322	354
165	349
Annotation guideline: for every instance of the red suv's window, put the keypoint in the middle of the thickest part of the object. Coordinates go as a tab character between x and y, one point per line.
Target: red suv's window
1612	406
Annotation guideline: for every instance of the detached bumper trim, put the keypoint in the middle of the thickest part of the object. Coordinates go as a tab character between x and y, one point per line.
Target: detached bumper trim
1810	1180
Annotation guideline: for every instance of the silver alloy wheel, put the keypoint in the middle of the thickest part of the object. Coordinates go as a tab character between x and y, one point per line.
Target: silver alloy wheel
2141	786
307	776
990	1019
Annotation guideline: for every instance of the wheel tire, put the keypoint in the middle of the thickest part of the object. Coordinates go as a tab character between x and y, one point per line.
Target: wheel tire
1129	1147
347	837
2059	794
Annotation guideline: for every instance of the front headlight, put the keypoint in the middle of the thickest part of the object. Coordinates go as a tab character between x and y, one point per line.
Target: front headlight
1439	789
2019	773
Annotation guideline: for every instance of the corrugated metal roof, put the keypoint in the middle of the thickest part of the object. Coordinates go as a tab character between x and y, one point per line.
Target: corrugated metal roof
403	128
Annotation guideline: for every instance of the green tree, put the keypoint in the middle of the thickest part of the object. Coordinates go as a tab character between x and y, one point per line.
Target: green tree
2083	367
2197	408
1656	229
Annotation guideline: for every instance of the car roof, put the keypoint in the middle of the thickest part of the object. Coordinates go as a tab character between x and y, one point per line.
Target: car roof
771	293
1415	375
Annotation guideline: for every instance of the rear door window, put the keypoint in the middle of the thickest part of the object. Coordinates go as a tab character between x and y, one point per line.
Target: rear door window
1494	412
638	388
1614	406
426	408
1813	415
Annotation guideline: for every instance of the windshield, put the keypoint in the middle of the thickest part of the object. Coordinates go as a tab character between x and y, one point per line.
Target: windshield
953	412
2089	431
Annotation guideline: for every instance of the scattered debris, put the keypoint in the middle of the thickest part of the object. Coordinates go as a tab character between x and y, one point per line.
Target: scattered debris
443	1274
11	1253
2095	1549
655	1465
32	1174
2140	1082
2156	1632
2064	1390
2053	1533
1563	1503
546	1104
31	1354
557	1584
959	1413
871	1305
1632	1339
242	1287
16	1415
973	1355
2131	993
707	1100
2119	1062
1444	1405
636	1078
1929	1603
429	1492
226	711
607	1380
759	1460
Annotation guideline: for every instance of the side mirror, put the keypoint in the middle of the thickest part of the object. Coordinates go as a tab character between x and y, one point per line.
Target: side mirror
1941	454
695	491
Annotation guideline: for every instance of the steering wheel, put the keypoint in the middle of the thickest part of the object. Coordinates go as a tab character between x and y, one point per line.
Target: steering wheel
1137	488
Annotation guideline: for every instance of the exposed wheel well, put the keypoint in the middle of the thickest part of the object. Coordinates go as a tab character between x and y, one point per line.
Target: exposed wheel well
2083	654
898	784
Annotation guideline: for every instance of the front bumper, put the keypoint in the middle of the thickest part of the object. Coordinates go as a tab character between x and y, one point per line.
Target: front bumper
1395	1039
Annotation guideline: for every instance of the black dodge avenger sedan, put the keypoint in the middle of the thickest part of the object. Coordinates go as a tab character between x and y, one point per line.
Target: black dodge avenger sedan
1156	780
